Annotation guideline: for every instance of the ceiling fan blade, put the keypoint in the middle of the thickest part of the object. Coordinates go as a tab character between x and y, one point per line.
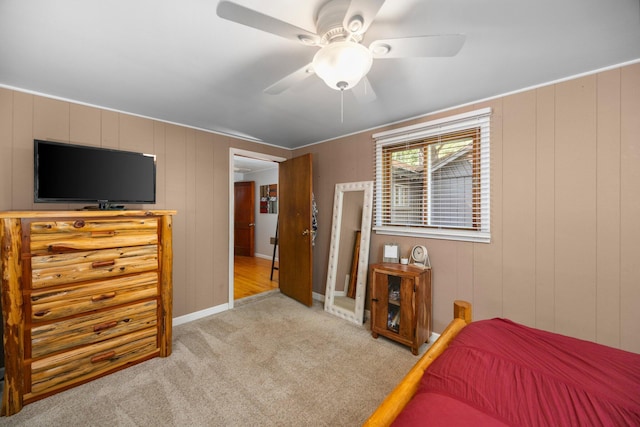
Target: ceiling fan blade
290	80
421	46
363	91
366	10
251	18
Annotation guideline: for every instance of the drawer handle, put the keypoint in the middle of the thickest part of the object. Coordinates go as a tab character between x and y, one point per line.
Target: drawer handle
60	248
104	356
41	313
103	297
98	264
106	325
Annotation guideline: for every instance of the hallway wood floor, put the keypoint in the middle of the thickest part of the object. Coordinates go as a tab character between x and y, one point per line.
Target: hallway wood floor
251	276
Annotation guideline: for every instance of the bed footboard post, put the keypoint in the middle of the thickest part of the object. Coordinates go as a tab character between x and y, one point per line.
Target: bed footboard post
404	391
462	310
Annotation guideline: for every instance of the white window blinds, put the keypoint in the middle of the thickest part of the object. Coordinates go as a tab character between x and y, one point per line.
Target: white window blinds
432	179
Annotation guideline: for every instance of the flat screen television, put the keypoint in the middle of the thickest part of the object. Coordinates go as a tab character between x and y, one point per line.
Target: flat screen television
67	173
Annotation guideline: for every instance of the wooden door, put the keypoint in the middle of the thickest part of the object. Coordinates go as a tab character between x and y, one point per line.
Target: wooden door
295	267
379	302
244	218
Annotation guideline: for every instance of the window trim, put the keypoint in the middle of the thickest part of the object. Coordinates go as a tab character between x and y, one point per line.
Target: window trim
428	130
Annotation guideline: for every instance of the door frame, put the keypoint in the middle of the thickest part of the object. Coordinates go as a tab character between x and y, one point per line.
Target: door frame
254	155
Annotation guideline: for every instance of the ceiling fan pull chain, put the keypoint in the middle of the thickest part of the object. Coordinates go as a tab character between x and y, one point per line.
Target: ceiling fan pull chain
341	105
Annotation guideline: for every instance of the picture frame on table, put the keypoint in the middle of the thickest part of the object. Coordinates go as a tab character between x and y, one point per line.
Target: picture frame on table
391	253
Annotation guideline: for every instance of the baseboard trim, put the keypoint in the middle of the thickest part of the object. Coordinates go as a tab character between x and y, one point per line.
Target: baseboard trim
218	308
200	314
317	297
263	256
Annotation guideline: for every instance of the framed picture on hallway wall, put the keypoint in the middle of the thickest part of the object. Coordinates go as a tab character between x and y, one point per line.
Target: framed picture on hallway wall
269	199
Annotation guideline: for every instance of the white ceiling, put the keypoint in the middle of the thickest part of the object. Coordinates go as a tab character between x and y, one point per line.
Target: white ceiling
178	61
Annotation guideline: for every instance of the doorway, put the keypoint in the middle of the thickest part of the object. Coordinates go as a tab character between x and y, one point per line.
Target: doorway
250	275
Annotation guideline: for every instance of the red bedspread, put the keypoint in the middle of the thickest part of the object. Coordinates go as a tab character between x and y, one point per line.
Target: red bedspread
497	372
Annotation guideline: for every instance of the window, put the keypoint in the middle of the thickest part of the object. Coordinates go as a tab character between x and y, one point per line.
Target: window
432	179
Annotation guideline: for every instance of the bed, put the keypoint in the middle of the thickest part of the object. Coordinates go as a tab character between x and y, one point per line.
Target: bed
499	373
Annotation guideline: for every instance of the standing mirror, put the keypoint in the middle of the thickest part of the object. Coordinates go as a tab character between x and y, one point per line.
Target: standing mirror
349	251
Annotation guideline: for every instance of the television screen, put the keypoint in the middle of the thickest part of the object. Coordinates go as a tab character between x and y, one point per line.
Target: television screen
80	174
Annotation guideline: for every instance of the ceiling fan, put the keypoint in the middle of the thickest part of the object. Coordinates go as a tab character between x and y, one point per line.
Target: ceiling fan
342	60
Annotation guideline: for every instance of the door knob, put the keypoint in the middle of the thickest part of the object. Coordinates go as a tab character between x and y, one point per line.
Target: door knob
305	232
251	224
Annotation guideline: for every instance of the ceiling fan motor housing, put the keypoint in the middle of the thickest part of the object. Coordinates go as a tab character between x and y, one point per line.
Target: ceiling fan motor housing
329	22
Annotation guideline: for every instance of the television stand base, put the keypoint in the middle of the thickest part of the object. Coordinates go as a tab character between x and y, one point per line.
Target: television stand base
104	207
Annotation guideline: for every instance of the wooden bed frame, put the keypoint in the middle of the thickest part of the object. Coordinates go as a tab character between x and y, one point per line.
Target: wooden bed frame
395	402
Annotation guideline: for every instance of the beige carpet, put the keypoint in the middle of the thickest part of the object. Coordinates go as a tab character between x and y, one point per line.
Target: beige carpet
269	362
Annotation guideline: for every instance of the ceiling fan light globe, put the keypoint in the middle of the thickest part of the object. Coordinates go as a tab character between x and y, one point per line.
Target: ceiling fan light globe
342	62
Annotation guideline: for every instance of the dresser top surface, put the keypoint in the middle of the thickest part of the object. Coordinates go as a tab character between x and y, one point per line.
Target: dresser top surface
85	213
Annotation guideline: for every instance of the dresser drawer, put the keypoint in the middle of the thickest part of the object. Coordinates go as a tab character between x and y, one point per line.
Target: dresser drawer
59	269
84	234
71	367
48	304
93	328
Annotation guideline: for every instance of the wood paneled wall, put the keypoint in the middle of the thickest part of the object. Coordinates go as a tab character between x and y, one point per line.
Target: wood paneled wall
192	178
565	192
565	203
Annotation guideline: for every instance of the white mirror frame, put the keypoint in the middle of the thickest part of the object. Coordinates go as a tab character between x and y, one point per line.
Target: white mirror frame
356	316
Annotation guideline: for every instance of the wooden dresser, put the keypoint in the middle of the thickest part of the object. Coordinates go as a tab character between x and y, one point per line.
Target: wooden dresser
84	294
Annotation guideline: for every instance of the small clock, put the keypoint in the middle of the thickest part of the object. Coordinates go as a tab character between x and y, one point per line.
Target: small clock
419	256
